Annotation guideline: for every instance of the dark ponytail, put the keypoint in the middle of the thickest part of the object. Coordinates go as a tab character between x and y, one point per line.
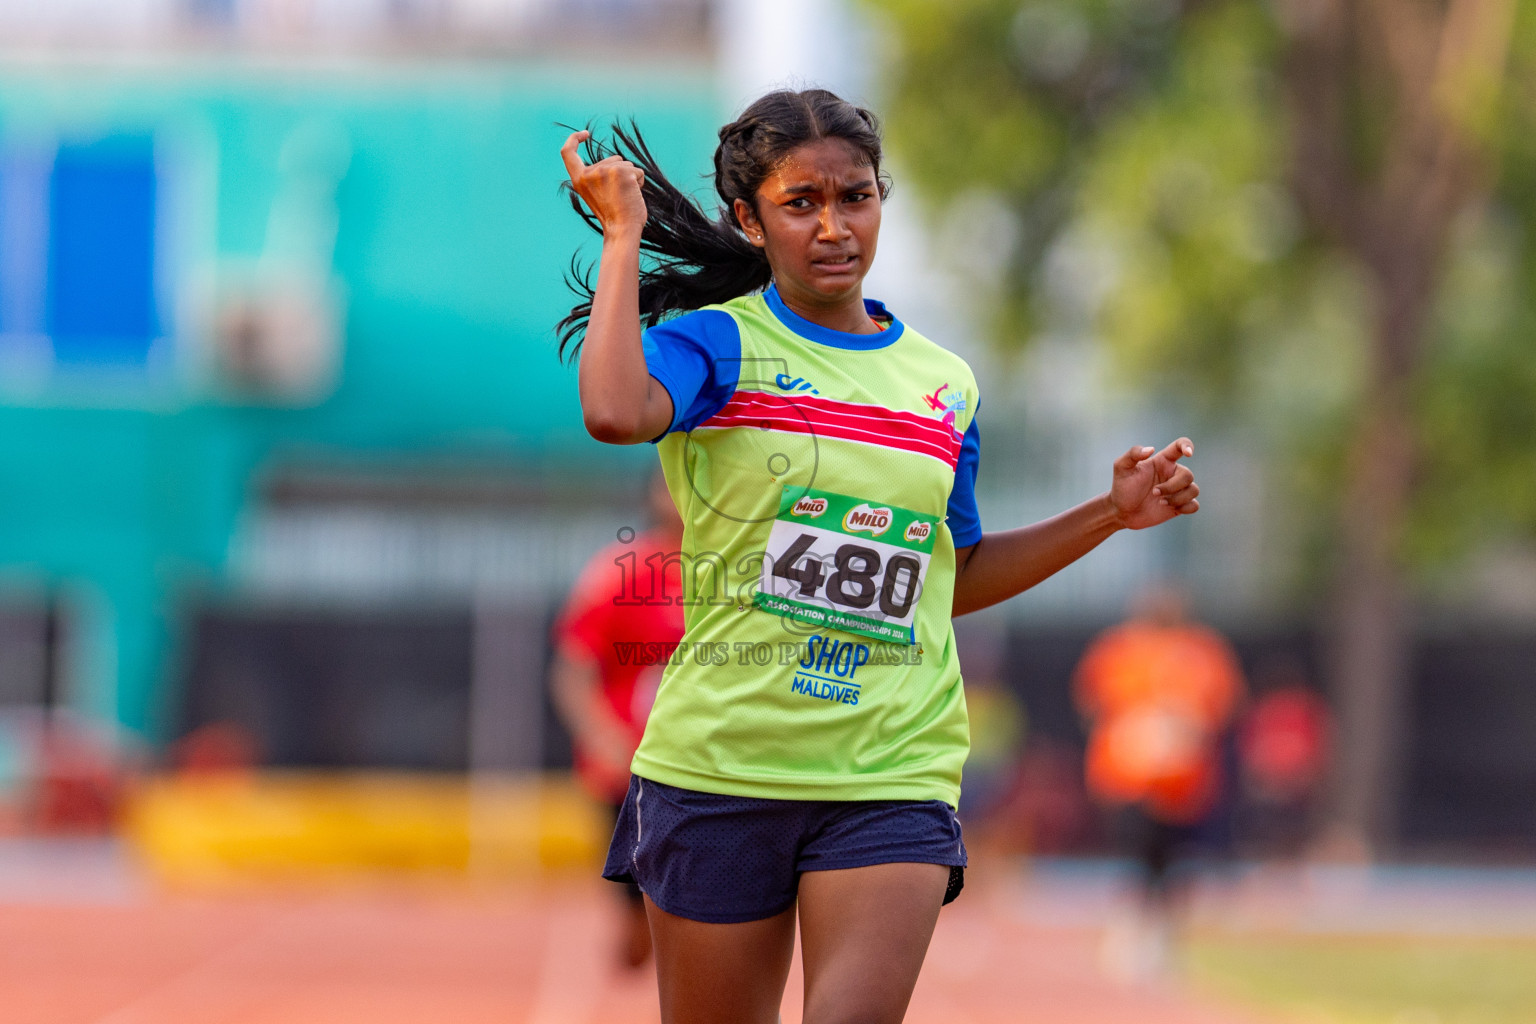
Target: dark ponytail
696	261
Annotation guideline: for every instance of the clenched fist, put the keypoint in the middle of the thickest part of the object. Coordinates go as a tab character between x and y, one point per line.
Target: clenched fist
610	187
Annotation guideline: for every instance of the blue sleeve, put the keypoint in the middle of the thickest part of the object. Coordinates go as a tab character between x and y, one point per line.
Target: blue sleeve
697	358
963	517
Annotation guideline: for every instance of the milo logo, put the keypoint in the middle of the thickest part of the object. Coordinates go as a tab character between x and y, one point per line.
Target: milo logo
918	532
812	507
863	519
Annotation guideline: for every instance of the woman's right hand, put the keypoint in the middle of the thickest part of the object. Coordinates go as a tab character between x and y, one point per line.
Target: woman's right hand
621	403
610	187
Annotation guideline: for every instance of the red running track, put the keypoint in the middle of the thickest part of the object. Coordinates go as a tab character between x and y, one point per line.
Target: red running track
533	954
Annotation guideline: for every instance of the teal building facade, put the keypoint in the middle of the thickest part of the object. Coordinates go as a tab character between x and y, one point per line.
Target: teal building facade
404	221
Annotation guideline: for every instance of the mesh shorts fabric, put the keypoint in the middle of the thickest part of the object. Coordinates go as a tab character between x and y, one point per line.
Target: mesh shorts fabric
631	890
727	859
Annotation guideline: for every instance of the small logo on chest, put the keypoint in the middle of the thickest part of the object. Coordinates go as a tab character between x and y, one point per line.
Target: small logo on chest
796	384
946	405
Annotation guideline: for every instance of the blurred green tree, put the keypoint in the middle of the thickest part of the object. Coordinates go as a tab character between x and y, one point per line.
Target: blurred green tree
1320	213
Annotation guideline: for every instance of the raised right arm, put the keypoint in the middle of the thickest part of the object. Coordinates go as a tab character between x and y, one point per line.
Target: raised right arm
621	403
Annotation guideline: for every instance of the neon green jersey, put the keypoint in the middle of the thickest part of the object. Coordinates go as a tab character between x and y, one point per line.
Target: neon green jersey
814	471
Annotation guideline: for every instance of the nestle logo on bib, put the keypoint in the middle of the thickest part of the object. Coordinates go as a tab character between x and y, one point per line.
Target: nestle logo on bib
812	507
918	532
863	519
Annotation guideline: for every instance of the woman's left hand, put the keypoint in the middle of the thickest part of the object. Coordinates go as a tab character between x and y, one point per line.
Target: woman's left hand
1149	489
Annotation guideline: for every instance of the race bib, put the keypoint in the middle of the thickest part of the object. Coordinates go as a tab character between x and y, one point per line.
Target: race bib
846	564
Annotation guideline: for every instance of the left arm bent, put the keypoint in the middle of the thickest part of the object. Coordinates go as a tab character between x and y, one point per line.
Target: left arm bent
1146	490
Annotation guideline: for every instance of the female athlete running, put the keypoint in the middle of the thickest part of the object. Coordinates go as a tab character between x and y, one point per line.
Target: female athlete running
803	755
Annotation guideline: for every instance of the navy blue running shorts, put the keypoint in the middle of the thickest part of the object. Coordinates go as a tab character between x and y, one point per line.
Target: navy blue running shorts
727	859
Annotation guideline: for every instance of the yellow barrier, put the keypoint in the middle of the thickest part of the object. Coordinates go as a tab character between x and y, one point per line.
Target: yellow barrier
287	824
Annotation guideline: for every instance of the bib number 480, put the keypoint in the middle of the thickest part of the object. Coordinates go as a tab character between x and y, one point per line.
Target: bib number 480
857	580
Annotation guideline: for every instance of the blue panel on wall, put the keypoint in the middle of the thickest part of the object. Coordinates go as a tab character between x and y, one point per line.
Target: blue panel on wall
24	179
101	253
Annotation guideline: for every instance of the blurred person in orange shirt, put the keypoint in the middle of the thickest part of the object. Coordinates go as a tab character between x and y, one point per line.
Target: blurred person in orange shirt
1158	693
611	642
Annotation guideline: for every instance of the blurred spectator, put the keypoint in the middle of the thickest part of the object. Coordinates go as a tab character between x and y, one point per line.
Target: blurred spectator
81	777
612	641
997	722
1044	808
1282	746
997	737
1157	692
218	749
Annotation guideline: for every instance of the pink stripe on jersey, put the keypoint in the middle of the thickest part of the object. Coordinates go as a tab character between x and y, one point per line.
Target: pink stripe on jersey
847	421
793	424
821	410
744	400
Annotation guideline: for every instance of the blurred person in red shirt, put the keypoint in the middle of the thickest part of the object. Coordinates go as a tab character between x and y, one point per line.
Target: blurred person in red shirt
1158	693
1283	750
611	643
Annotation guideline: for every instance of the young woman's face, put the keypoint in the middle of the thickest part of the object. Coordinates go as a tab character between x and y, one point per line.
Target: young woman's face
818	220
